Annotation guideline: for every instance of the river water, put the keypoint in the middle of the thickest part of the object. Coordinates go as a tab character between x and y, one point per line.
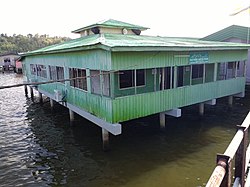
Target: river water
39	147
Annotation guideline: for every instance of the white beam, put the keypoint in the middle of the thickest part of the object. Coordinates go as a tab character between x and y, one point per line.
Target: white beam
174	112
211	102
242	94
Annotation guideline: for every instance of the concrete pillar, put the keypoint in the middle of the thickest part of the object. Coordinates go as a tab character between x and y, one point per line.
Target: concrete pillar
162	120
51	103
40	97
71	115
230	101
201	109
105	140
26	90
31	93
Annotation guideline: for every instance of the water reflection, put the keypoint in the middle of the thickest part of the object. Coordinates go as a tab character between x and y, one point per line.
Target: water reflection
39	147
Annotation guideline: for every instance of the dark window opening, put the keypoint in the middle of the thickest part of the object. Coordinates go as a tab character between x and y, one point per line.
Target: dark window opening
166	78
180	76
197	71
140	77
127	78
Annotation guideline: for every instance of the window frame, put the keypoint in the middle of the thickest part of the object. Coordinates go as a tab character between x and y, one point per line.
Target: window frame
134	73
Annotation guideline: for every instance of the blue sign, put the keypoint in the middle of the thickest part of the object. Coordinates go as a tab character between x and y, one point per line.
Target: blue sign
198	57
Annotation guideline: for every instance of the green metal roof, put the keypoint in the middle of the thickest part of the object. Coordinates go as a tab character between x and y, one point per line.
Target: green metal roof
111	24
233	31
119	42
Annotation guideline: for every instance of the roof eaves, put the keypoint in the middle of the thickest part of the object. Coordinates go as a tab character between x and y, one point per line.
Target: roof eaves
75	49
171	48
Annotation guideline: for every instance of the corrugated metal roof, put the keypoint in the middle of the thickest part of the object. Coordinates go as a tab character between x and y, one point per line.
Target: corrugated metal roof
233	31
110	23
118	42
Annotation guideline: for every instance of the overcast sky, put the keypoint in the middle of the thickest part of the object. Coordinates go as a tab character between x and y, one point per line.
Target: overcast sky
182	18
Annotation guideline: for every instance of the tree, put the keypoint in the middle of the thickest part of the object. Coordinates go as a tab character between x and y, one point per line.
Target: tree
19	43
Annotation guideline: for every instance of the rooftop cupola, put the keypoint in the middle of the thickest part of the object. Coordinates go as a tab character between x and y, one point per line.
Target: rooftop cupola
111	27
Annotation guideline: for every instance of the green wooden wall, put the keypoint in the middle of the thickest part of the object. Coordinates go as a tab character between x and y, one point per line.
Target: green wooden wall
135	106
140	60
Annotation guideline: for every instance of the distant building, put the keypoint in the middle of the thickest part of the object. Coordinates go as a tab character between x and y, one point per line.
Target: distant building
8	60
126	75
233	33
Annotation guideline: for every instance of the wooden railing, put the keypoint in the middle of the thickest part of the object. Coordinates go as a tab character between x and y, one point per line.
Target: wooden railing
238	150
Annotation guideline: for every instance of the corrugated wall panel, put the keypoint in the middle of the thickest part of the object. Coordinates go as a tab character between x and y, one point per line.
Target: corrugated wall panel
92	59
94	104
140	60
131	107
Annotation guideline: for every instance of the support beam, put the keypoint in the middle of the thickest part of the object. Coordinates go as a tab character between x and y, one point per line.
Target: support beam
201	109
242	94
71	115
211	102
31	93
26	90
105	140
51	103
174	112
230	101
40	97
162	120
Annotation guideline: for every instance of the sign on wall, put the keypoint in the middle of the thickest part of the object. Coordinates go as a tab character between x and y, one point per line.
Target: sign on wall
198	57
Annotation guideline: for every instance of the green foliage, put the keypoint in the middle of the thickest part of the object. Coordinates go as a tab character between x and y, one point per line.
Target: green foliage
20	43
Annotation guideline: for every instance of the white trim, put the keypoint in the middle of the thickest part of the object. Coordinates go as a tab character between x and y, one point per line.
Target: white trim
174	112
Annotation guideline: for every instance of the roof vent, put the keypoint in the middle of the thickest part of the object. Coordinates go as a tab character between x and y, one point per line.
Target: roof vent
95	30
136	31
124	31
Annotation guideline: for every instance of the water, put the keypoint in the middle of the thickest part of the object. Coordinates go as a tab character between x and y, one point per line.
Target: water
39	147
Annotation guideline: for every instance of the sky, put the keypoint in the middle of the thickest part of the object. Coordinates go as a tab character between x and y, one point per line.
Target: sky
173	18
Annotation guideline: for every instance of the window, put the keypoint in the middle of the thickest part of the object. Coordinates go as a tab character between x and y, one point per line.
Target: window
127	78
231	68
209	73
197	71
106	83
81	81
140	77
180	76
33	69
52	72
60	73
222	71
95	81
166	81
241	68
56	72
41	71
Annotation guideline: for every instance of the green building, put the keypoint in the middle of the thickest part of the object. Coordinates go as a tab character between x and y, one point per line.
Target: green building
126	75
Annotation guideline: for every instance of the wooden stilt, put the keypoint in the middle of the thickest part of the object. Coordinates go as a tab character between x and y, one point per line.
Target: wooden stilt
201	109
162	120
71	116
105	140
26	90
40	97
51	103
230	101
31	93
